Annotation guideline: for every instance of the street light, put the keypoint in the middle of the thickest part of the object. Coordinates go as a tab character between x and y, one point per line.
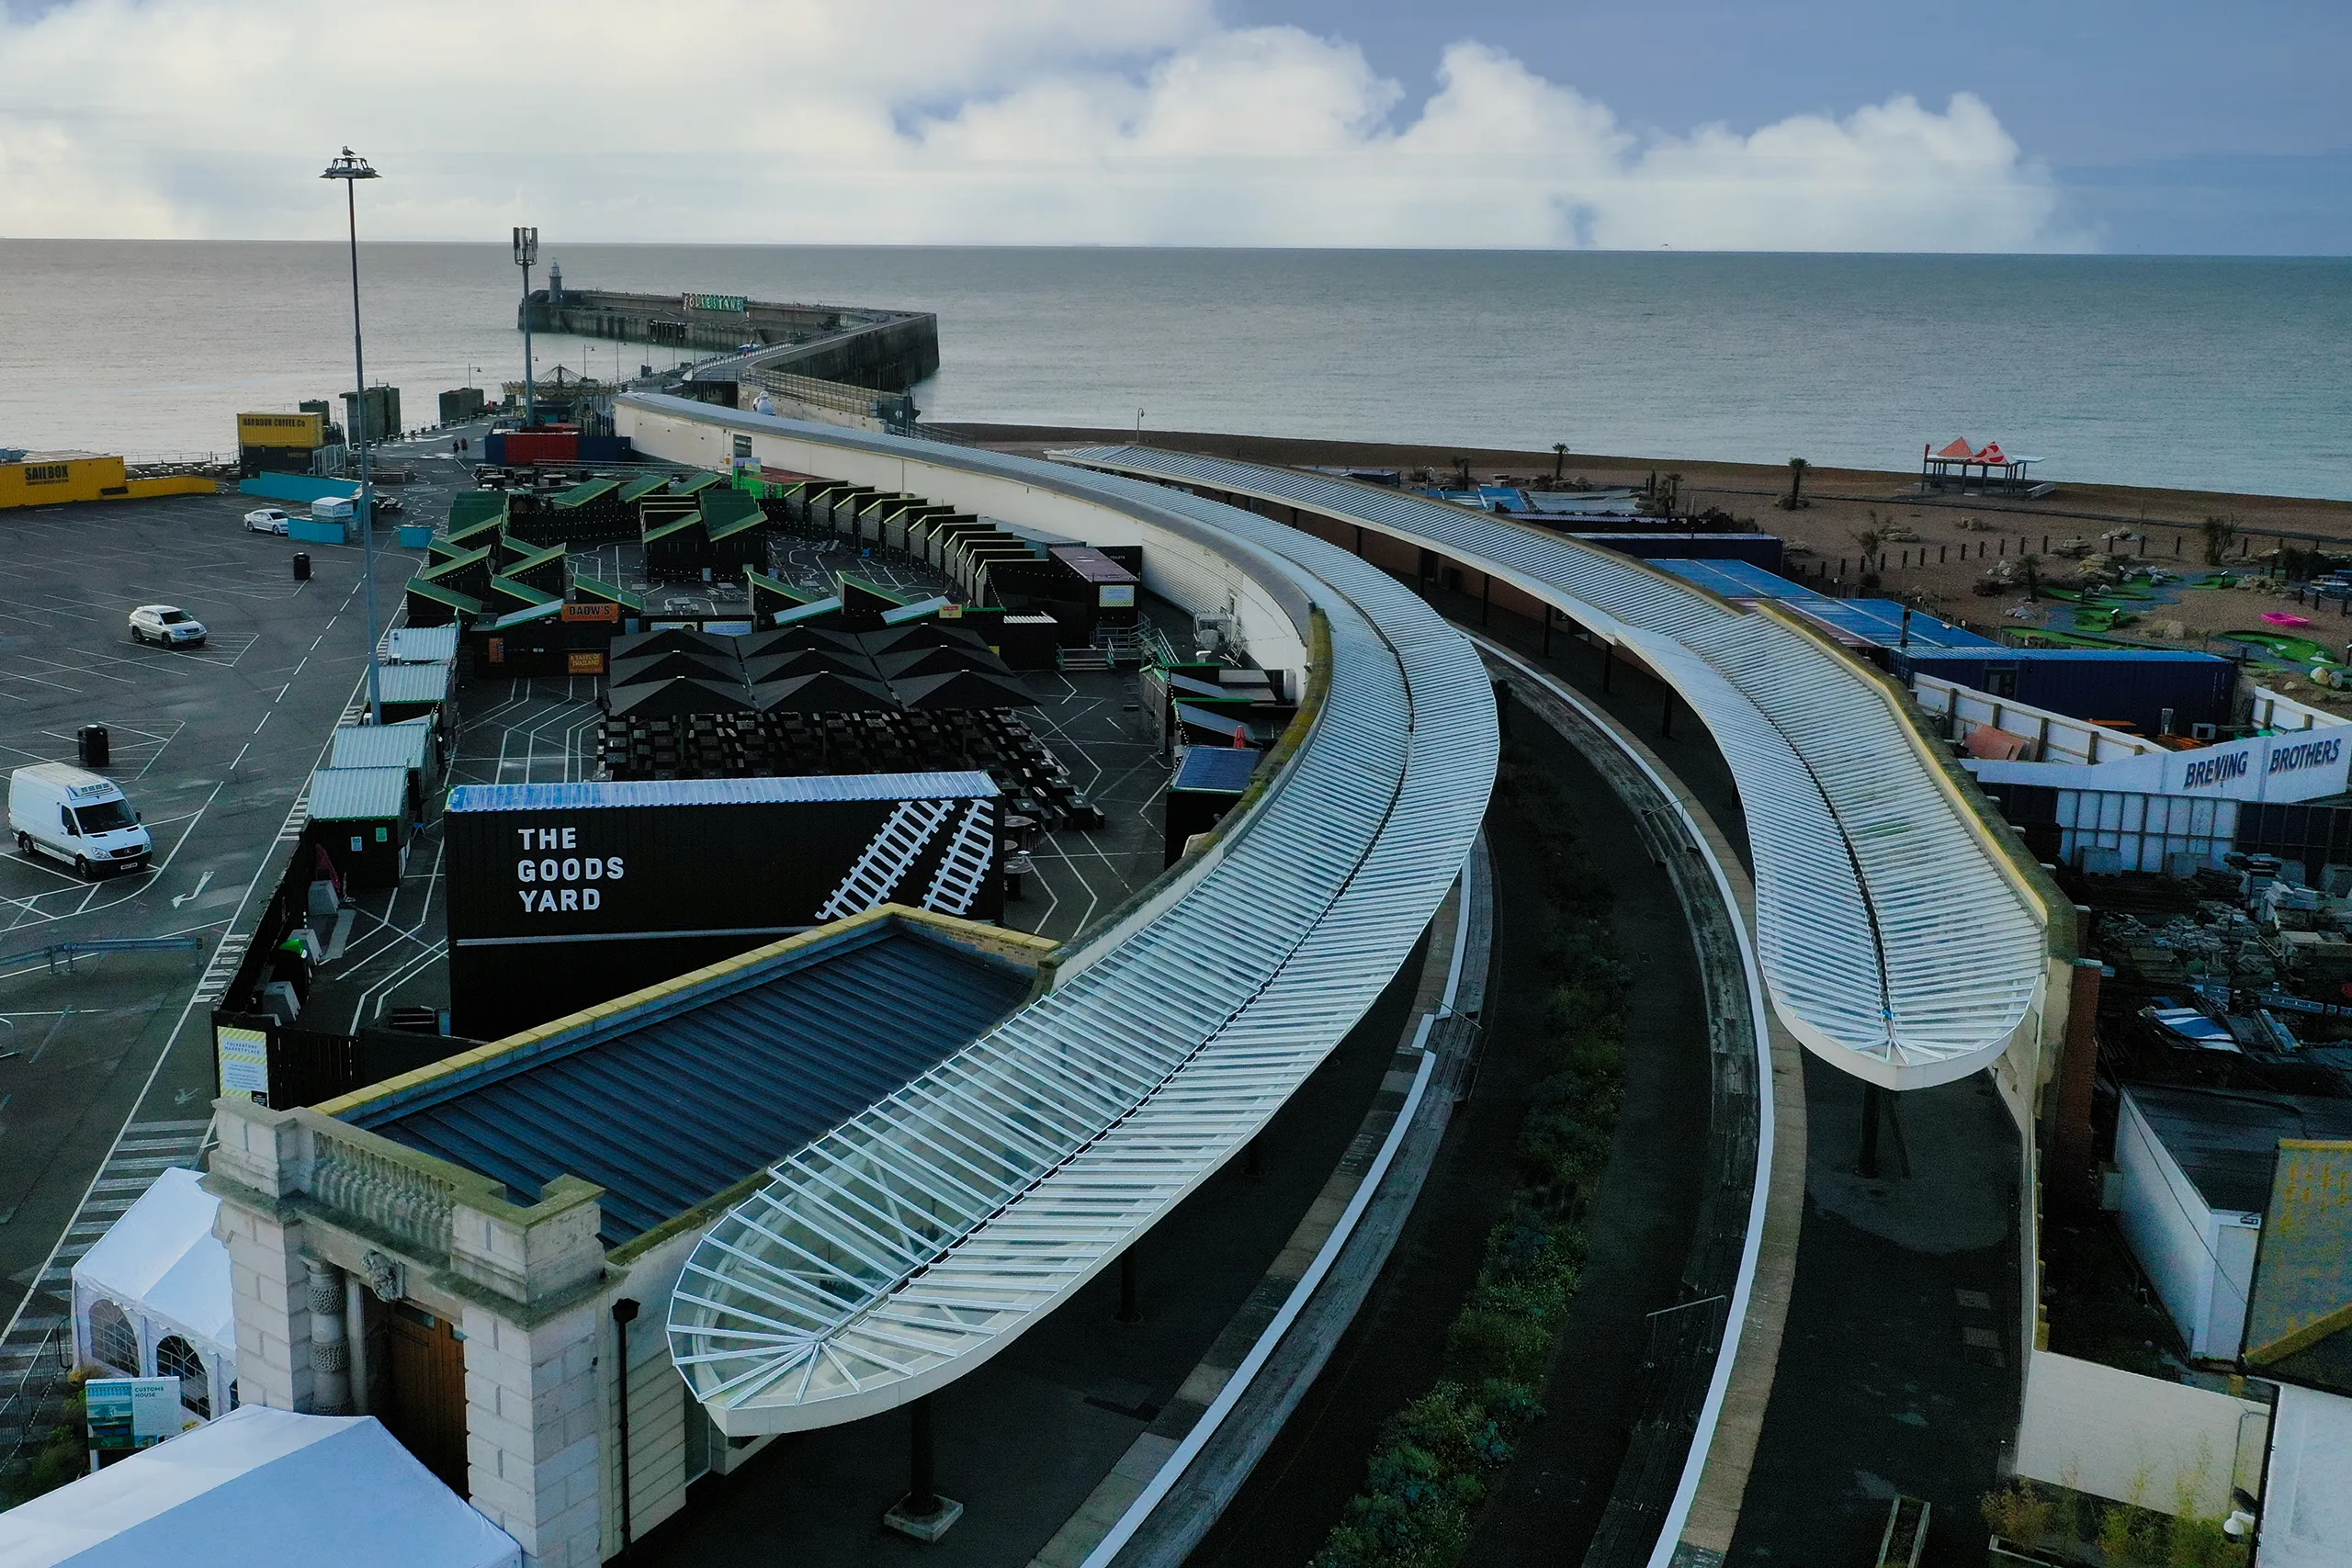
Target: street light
351	168
526	251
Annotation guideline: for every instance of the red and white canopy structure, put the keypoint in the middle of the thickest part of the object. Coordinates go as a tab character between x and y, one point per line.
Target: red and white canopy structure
1953	460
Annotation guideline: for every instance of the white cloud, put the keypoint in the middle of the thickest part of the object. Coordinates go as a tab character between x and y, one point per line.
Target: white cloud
1038	121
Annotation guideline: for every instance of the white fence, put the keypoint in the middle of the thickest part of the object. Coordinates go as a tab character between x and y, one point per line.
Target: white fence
2138	1439
2049	737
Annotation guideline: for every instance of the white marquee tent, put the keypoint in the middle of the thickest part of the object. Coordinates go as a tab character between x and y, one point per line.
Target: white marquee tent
161	1268
259	1488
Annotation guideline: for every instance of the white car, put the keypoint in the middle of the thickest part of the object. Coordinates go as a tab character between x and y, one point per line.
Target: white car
266	519
168	625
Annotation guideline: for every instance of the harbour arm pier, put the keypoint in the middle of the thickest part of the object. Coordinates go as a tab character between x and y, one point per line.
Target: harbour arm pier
886	350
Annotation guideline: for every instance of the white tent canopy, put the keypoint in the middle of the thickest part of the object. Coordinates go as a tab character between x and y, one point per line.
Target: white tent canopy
163	1266
259	1488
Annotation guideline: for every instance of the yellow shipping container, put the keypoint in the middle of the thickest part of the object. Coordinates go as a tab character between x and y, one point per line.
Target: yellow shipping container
45	479
280	430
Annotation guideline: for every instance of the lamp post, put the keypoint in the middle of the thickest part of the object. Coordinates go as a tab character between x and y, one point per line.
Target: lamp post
526	251
350	168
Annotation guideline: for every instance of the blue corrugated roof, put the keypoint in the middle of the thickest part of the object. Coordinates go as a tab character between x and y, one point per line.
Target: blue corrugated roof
723	792
407	745
1738	579
668	1106
2073	654
815	609
915	612
359	794
1223	768
1878	621
412	683
421	645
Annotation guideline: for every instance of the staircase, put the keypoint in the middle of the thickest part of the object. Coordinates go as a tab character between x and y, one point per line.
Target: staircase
963	869
887	859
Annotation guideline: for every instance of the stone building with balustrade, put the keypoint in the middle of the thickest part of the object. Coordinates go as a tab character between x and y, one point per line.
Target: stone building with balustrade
465	1254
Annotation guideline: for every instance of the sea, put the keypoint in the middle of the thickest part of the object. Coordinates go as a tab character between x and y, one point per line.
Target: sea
2213	374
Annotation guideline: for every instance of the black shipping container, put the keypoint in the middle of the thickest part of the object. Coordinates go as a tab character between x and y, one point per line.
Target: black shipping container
564	896
2134	685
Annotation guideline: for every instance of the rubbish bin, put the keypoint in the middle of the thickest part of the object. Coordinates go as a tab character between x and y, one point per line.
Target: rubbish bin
301	566
93	746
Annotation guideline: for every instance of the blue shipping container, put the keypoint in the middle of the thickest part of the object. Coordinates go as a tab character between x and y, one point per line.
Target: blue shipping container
2133	686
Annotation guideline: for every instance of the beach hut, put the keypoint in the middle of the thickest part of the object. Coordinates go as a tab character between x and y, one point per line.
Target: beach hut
411	690
360	817
407	745
421	645
152	1297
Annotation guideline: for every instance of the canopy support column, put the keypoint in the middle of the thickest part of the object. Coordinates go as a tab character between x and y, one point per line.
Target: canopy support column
922	1513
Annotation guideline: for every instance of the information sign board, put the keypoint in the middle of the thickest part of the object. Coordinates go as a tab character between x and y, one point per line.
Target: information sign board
132	1412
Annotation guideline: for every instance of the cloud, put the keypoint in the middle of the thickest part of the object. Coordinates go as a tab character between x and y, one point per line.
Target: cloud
1034	121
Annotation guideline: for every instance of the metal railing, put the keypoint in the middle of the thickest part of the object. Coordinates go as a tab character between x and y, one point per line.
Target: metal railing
65	951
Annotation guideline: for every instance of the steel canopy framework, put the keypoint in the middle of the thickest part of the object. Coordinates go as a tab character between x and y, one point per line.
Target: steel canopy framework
1894	944
907	1245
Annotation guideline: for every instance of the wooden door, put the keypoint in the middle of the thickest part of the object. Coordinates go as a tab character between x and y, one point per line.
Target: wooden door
427	1414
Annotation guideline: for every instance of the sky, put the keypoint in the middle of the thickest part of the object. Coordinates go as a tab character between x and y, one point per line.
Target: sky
2165	126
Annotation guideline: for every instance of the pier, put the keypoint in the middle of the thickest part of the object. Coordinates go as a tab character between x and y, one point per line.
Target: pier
886	350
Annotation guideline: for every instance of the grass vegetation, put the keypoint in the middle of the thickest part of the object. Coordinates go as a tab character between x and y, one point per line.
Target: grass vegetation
2060	1525
1438	1459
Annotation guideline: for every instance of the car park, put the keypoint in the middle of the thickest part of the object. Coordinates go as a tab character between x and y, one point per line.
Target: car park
80	817
166	625
267	520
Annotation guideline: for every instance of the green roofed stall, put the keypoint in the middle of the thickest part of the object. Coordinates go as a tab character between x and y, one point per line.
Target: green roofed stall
506	591
694	484
770	595
638	488
434	604
585	493
673	527
725	512
468	509
595	590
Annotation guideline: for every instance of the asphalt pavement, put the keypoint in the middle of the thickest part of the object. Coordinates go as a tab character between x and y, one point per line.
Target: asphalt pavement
211	745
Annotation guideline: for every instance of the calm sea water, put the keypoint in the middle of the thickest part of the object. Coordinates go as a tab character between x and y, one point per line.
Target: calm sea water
2222	374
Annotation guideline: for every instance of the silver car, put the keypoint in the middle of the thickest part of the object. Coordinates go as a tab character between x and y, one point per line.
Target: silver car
166	625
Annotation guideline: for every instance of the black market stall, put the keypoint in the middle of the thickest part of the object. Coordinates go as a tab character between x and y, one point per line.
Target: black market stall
360	816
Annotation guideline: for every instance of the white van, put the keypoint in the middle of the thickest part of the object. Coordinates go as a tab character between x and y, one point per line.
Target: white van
81	819
330	509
